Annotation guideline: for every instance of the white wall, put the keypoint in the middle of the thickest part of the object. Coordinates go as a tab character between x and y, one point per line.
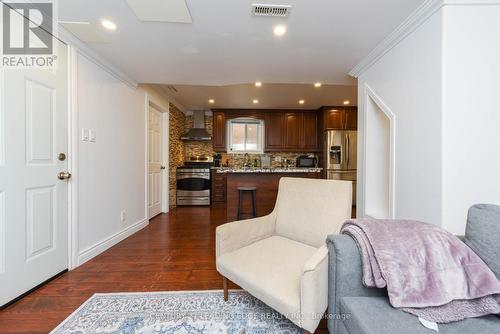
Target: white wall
408	81
377	200
472	112
110	172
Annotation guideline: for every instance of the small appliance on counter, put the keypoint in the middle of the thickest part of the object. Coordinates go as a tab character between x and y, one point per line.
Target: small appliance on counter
217	160
308	161
265	161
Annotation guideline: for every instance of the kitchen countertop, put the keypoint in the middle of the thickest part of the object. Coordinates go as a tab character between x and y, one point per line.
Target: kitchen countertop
267	170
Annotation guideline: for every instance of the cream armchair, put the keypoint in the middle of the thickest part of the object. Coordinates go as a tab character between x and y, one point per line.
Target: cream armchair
282	258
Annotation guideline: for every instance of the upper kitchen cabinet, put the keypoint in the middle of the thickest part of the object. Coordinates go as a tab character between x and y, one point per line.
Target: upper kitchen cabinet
219	131
284	130
351	118
274	125
340	118
310	131
293	130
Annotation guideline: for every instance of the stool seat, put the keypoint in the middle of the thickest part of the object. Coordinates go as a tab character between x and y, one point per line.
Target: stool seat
241	191
247	188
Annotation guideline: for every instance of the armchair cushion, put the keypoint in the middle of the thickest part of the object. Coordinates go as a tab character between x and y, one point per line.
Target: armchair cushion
308	210
269	269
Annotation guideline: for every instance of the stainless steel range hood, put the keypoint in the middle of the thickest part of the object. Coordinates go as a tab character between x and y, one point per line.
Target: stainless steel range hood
198	132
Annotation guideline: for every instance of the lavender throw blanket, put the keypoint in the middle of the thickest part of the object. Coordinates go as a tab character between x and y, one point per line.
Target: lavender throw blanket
427	271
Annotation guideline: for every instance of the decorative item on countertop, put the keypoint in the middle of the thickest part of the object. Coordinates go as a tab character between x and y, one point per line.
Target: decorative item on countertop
265	161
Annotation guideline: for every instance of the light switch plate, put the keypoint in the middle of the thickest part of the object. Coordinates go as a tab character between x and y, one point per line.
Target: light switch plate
85	135
92	136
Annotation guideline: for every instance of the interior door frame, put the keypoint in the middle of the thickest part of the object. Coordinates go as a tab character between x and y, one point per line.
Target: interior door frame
73	141
152	101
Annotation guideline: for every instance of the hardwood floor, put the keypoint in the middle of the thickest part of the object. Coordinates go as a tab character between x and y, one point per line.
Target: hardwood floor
175	252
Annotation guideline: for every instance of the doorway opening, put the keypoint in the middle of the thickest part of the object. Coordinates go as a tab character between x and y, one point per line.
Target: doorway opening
379	158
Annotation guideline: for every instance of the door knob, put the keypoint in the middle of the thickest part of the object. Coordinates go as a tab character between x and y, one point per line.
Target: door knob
162	167
63	175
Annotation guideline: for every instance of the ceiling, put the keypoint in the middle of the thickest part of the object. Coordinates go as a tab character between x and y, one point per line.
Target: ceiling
270	96
226	45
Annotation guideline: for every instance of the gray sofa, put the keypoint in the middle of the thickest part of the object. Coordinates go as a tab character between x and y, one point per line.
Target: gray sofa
355	309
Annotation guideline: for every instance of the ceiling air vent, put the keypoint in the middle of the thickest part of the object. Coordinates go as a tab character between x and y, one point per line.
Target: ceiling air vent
271	10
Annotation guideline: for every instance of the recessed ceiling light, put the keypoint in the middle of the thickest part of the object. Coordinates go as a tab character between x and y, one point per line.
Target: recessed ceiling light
302	101
212	101
255	101
279	30
317	84
110	25
346	102
258	84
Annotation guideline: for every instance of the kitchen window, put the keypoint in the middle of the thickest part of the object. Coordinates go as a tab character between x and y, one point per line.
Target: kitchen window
245	135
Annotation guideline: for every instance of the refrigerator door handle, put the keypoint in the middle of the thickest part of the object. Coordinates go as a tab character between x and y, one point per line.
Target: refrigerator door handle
348	149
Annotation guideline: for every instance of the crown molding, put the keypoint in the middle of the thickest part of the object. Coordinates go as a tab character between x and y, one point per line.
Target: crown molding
419	16
471	2
82	48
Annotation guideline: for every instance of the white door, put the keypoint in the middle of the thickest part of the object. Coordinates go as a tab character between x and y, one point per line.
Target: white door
33	201
155	159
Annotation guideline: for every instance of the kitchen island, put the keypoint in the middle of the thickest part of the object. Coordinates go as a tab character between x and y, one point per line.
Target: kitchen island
266	180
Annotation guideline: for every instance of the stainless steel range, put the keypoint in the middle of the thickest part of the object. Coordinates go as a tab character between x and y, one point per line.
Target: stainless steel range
193	181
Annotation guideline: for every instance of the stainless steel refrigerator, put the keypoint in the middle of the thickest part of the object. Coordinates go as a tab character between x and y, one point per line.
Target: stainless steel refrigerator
342	157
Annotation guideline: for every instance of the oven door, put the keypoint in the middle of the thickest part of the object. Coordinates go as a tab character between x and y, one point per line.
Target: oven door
194	184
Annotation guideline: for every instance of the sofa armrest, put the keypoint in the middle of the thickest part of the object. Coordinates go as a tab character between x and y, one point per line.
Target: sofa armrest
232	236
345	277
314	289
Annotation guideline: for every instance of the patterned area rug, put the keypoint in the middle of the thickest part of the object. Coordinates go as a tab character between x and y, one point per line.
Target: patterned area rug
175	313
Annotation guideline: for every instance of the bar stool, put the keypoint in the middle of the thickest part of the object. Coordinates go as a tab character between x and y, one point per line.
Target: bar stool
241	192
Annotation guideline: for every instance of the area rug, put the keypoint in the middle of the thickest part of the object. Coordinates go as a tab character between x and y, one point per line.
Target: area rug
175	313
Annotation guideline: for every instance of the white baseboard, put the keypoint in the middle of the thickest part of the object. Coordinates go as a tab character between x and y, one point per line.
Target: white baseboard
105	244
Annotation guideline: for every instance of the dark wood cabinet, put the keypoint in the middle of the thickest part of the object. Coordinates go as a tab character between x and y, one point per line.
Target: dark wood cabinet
351	118
219	131
285	130
218	191
274	131
294	127
310	136
340	118
334	119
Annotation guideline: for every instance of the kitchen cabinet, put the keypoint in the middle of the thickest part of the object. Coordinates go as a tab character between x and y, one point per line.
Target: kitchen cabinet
294	127
274	131
294	131
351	118
218	190
285	130
310	133
340	118
219	131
